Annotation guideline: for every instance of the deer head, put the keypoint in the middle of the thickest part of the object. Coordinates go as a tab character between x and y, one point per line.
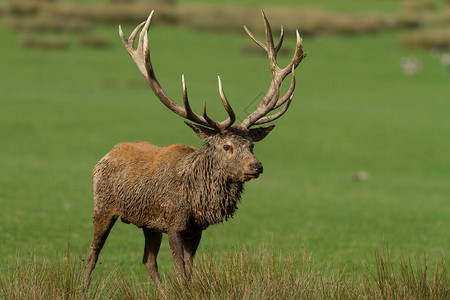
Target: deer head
232	144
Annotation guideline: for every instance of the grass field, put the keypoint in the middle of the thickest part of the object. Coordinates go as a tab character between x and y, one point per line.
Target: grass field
341	6
354	110
239	274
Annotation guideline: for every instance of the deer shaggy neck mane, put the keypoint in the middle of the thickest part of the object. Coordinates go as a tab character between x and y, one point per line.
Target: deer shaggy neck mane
213	195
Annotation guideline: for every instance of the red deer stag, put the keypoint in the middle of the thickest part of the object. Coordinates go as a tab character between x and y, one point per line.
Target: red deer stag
177	189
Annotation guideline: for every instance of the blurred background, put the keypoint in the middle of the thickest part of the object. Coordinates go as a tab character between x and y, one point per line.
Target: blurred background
360	161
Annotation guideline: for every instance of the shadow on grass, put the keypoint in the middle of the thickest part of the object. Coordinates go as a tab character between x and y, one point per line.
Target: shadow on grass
237	275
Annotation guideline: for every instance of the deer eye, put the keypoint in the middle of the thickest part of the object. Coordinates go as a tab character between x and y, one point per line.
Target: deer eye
227	147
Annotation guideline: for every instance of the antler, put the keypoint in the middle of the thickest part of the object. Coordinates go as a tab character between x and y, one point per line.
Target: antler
271	101
141	56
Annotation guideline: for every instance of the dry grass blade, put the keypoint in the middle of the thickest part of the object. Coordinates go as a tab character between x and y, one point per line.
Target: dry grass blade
406	278
240	274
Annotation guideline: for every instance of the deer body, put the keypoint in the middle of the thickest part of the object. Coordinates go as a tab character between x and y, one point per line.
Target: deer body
173	188
181	190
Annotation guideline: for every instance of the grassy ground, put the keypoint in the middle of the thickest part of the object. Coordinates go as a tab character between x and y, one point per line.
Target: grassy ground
239	274
354	110
342	6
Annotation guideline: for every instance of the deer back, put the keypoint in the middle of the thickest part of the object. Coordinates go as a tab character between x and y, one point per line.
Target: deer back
141	182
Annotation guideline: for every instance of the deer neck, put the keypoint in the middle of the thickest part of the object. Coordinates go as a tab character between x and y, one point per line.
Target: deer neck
212	195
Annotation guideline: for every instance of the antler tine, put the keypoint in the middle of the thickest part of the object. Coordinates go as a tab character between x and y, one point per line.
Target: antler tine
280	41
270	47
298	55
289	93
231	116
143	37
130	41
250	34
271	99
211	122
141	56
187	106
267	119
286	97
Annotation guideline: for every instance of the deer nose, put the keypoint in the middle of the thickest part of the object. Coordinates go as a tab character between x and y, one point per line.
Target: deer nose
257	167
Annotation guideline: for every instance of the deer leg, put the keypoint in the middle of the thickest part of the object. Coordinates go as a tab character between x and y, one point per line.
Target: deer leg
190	247
177	249
152	245
102	227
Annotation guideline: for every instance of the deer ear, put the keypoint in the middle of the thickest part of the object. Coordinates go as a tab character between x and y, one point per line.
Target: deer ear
202	132
260	133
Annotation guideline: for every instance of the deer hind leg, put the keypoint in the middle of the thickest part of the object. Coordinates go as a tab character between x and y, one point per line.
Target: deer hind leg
102	227
152	245
190	247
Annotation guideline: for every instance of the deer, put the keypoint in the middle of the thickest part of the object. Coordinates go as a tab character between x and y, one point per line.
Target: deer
181	190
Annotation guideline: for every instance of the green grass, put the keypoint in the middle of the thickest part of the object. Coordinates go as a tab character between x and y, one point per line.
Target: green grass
238	274
339	6
353	110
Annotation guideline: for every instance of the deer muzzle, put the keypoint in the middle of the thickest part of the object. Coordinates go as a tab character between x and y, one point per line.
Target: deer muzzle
257	167
254	170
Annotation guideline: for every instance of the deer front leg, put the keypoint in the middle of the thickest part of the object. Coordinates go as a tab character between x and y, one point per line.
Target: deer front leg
177	249
190	247
152	245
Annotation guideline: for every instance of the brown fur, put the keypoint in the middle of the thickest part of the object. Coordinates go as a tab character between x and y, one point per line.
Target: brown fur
177	189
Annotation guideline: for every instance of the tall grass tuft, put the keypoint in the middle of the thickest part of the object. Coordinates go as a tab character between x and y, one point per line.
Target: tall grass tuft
240	274
265	275
409	279
42	278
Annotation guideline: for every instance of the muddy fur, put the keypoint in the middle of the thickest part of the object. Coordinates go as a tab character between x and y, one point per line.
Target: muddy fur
158	188
177	189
